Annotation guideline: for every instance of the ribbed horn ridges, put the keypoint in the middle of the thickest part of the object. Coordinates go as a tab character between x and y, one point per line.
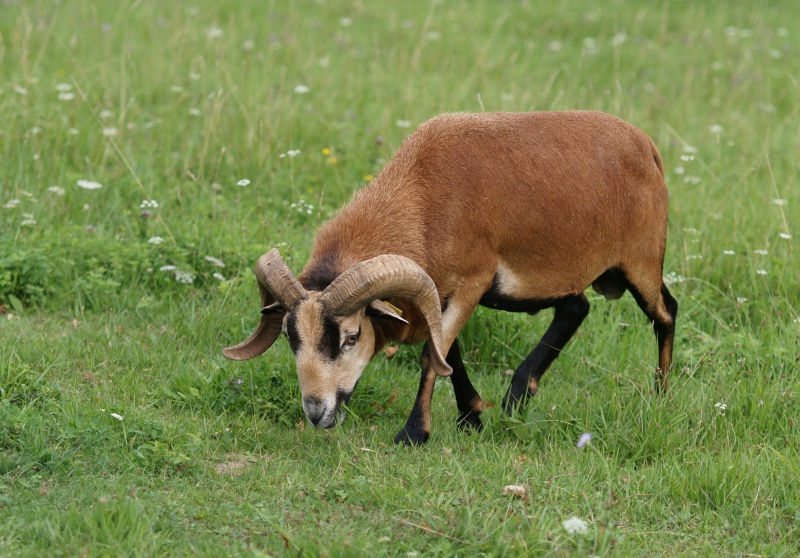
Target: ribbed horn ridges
273	274
276	283
390	276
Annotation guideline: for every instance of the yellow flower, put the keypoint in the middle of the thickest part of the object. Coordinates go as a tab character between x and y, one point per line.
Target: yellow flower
332	160
326	151
368	177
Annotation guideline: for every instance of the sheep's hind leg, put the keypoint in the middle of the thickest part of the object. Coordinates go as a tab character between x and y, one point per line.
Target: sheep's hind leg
569	314
661	309
470	405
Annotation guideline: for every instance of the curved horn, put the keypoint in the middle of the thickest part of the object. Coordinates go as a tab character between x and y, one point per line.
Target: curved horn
276	283
390	276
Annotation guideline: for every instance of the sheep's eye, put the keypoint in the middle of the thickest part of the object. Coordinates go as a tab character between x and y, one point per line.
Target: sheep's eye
350	341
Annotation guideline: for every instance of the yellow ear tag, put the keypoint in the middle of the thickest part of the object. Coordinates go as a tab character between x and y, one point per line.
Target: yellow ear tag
393	307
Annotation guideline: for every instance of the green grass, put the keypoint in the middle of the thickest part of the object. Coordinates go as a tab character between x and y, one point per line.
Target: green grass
210	456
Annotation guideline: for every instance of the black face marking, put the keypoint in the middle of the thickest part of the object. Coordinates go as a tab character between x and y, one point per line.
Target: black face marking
495	299
292	333
329	344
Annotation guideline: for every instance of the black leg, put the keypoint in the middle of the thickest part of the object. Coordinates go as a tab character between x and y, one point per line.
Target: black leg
418	426
662	312
470	405
569	314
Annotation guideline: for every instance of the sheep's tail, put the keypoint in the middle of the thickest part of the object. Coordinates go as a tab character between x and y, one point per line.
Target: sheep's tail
657	158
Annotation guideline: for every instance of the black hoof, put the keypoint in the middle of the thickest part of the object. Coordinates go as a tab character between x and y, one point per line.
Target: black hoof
470	421
411	437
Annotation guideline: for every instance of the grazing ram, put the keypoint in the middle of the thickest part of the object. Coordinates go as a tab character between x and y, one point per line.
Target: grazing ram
513	211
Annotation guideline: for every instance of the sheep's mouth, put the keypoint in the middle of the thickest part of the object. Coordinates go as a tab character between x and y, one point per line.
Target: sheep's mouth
332	419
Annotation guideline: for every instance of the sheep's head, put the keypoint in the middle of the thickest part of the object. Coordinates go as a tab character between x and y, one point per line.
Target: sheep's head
331	332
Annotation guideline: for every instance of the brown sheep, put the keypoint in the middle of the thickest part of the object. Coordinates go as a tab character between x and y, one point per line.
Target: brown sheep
513	211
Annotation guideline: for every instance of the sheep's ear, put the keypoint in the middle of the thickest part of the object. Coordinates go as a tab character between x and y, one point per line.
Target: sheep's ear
273	308
385	310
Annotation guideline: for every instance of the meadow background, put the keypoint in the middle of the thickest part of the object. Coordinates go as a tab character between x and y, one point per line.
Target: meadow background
151	151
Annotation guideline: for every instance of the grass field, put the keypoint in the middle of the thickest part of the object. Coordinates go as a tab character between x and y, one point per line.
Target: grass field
123	430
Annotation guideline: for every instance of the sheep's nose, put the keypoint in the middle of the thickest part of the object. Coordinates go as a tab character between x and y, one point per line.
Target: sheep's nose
315	409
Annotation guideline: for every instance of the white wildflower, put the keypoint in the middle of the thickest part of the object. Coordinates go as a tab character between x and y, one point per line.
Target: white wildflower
218	276
215	33
619	38
168	268
185	277
176	88
585	438
67	96
11	204
248	44
195	111
105	114
301	89
63	87
29	222
194	76
110	132
89	184
741	299
679	170
785	236
73	131
155	240
590	46
403	123
687	157
554	46
575	526
243	182
148	204
57	190
689	149
21	90
715	129
728	252
761	271
292	153
780	201
215	261
760	252
345	22
672	278
116	416
721	406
